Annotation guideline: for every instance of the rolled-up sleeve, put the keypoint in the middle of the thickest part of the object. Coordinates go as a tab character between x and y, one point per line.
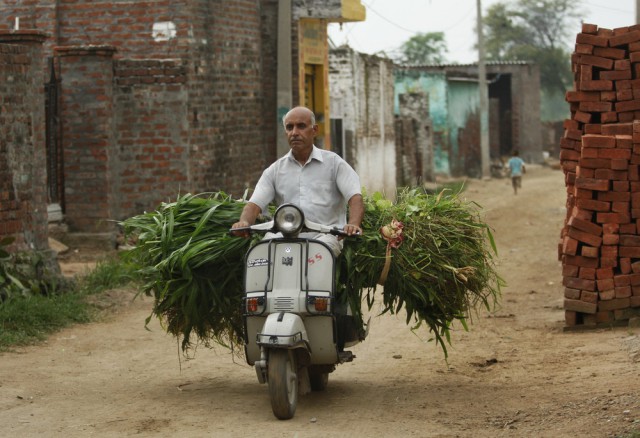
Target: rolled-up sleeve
265	191
347	180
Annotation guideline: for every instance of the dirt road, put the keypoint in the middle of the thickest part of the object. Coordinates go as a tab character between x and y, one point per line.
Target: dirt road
515	373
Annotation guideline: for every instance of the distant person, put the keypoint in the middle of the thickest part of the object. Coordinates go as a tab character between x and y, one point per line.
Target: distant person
516	170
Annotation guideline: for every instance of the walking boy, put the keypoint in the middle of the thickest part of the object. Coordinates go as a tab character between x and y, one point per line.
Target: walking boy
516	169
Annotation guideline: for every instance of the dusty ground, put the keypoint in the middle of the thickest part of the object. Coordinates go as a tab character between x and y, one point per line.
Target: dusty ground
515	373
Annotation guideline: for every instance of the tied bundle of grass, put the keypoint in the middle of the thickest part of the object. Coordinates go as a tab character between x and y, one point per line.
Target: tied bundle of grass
192	266
430	253
433	256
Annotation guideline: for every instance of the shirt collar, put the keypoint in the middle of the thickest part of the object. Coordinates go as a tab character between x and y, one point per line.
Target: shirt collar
316	154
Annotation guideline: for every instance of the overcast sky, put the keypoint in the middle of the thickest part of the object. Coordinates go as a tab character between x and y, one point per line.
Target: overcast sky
389	23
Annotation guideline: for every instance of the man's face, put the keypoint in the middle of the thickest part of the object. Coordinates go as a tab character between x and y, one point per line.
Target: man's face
300	132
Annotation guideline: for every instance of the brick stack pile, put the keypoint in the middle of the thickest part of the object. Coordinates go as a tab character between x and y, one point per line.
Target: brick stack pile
600	156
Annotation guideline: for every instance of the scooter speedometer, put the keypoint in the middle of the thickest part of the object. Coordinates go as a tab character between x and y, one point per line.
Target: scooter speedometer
289	220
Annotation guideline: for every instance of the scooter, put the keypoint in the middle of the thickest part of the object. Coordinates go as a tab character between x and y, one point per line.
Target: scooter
295	328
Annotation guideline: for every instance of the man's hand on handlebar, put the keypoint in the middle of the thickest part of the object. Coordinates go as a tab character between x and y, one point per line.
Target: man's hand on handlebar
351	230
240	233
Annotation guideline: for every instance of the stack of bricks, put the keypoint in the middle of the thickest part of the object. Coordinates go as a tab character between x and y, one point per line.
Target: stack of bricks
600	156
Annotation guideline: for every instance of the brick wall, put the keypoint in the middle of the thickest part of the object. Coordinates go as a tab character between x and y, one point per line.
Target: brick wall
23	196
227	133
86	105
31	14
124	24
269	52
151	163
146	115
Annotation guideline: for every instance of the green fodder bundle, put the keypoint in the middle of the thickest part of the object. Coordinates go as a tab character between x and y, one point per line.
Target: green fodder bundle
439	258
192	266
432	254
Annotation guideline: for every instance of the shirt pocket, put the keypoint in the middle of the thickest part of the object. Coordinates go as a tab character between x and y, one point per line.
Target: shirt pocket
322	194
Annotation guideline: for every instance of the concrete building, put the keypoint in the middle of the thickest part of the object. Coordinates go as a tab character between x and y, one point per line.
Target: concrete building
361	96
514	118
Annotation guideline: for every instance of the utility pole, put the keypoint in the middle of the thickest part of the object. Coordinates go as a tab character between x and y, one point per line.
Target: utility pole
484	99
637	11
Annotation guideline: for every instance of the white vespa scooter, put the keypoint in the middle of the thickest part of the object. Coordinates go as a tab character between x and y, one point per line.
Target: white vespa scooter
295	329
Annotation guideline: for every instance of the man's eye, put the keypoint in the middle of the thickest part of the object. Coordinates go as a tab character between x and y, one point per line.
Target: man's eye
300	126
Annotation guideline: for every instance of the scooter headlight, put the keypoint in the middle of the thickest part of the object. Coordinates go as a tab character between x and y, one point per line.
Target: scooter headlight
289	219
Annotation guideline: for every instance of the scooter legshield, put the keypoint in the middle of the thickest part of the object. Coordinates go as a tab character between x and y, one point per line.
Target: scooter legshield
283	330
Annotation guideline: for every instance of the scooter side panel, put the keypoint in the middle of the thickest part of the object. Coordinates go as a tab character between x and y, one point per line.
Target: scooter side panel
254	326
258	278
320	268
320	333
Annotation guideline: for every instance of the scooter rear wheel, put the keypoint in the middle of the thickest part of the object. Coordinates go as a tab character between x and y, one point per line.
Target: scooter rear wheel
318	378
283	383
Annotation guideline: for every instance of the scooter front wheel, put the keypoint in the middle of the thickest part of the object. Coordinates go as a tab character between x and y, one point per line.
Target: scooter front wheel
283	383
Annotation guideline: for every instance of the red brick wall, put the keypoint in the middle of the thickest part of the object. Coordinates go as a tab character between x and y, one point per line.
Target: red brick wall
23	195
151	133
269	22
32	14
154	118
226	97
88	147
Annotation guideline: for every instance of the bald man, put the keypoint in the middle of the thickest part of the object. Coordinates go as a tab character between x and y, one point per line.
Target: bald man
318	181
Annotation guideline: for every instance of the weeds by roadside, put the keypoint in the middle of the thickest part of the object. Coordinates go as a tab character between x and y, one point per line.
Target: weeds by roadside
29	318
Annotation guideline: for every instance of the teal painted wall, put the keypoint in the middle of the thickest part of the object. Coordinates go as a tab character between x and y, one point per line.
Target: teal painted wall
451	103
464	101
435	85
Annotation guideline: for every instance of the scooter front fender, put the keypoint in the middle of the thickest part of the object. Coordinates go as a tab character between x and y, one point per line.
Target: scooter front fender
283	330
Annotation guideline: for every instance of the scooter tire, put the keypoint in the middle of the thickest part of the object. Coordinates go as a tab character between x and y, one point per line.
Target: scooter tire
283	383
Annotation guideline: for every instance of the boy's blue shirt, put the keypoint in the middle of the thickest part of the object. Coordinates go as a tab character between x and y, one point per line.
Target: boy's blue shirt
515	165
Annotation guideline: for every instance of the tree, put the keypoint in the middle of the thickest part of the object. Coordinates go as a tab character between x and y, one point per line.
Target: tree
423	48
533	30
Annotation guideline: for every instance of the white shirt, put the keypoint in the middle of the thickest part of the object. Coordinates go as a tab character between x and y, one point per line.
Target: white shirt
321	188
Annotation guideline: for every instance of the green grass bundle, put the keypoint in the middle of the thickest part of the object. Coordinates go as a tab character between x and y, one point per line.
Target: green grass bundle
440	264
432	254
192	266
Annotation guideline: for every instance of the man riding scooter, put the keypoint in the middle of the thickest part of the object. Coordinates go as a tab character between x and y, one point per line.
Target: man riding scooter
295	329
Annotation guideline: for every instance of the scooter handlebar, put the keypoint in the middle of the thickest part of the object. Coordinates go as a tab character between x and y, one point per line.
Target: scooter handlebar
339	232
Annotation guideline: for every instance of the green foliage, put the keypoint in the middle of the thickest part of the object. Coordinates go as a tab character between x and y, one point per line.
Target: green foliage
194	269
31	317
109	273
441	271
26	320
192	266
424	48
533	30
26	273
